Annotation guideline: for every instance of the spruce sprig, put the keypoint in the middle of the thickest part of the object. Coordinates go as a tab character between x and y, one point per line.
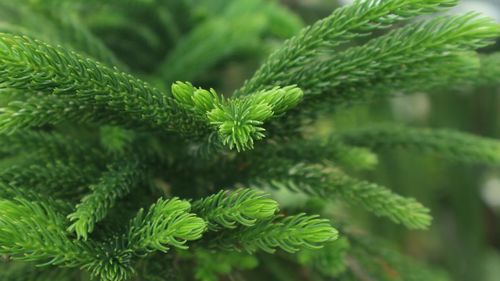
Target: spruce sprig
118	181
445	143
343	25
228	208
290	234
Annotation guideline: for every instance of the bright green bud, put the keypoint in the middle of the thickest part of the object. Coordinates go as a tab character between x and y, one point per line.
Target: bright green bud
183	92
204	100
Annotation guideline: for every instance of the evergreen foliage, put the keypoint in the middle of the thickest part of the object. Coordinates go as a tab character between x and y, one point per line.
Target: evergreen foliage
114	167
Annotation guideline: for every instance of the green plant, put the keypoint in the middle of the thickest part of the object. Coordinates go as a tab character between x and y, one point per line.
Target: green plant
142	177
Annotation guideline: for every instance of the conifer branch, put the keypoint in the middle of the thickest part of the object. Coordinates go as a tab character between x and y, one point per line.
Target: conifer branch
117	182
166	223
238	121
81	85
290	234
343	25
445	143
58	178
410	45
316	149
228	208
35	232
48	145
83	90
382	202
326	182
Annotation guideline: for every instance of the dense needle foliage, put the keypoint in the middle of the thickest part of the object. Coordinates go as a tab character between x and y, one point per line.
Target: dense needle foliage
122	158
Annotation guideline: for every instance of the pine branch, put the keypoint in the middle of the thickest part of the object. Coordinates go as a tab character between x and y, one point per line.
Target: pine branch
114	184
11	192
318	149
166	223
228	208
94	121
36	232
290	234
48	145
411	45
327	182
82	90
343	25
238	121
383	202
60	178
80	84
445	143
430	75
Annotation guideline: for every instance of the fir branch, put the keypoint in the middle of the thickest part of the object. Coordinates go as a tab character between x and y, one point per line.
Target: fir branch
318	149
382	202
166	223
48	145
290	234
343	25
411	45
12	192
82	90
430	75
327	182
445	143
57	177
114	184
238	121
228	208
36	232
82	85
